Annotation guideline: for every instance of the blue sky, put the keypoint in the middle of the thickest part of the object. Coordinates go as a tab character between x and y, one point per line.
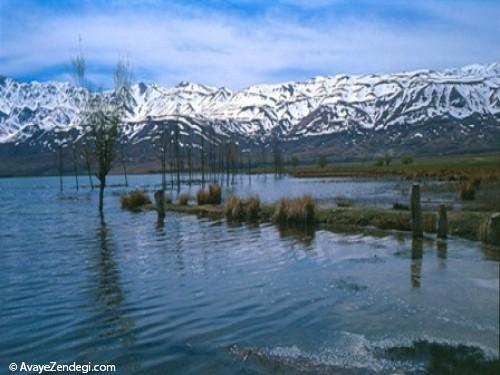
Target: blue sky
236	43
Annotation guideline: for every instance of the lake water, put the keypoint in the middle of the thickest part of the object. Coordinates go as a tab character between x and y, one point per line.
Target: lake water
197	296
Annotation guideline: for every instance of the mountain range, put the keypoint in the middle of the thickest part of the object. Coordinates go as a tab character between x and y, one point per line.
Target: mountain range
344	116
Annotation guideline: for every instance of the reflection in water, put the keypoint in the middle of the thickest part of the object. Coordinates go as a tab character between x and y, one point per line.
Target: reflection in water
416	262
303	234
490	252
175	298
110	296
109	291
442	250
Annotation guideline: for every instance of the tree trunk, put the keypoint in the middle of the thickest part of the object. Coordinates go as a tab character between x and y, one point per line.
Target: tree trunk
60	169
202	162
75	166
102	185
124	166
87	161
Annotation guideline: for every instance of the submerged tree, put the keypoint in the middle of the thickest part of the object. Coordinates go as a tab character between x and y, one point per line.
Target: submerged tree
294	162
86	153
323	161
61	143
101	115
162	141
74	152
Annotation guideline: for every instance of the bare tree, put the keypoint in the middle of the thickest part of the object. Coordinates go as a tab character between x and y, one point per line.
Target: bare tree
61	143
101	115
202	157
75	163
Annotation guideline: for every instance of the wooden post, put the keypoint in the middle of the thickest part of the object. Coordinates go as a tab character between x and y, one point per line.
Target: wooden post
442	229
490	230
160	204
416	212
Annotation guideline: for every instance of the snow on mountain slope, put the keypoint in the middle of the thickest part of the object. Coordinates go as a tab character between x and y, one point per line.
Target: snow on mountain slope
321	105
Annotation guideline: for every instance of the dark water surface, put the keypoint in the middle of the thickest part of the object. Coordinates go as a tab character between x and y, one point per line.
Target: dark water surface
202	297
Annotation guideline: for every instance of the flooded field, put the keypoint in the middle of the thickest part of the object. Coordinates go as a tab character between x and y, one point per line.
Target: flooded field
204	297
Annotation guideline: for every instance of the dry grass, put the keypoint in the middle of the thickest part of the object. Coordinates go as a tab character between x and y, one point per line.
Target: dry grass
242	209
212	196
299	210
202	197
183	199
134	200
215	194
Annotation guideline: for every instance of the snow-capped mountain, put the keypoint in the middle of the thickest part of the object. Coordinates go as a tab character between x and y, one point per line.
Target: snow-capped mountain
319	106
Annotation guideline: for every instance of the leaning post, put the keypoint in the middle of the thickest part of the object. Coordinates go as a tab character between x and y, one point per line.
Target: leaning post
416	212
442	229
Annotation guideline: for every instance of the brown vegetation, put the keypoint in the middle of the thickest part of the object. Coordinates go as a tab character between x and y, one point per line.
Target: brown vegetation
183	199
467	191
212	196
299	210
134	200
242	209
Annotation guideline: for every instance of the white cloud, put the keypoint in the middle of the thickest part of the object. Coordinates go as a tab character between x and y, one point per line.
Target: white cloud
170	45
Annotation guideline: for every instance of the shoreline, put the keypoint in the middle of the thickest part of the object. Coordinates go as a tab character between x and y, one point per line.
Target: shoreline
464	224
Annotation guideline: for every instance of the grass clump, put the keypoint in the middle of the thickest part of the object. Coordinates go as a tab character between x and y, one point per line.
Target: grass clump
400	207
134	200
183	199
202	197
242	209
211	196
467	191
299	211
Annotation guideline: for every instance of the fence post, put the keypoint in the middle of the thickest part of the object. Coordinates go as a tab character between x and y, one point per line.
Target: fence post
160	204
490	230
416	212
442	229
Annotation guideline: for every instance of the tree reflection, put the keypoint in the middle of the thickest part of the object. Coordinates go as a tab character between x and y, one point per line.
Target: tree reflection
109	293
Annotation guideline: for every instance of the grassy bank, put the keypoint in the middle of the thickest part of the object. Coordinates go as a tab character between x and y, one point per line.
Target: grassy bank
460	223
442	167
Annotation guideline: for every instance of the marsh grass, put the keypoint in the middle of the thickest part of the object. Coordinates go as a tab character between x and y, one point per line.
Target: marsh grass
242	209
211	196
295	211
134	200
183	199
467	191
